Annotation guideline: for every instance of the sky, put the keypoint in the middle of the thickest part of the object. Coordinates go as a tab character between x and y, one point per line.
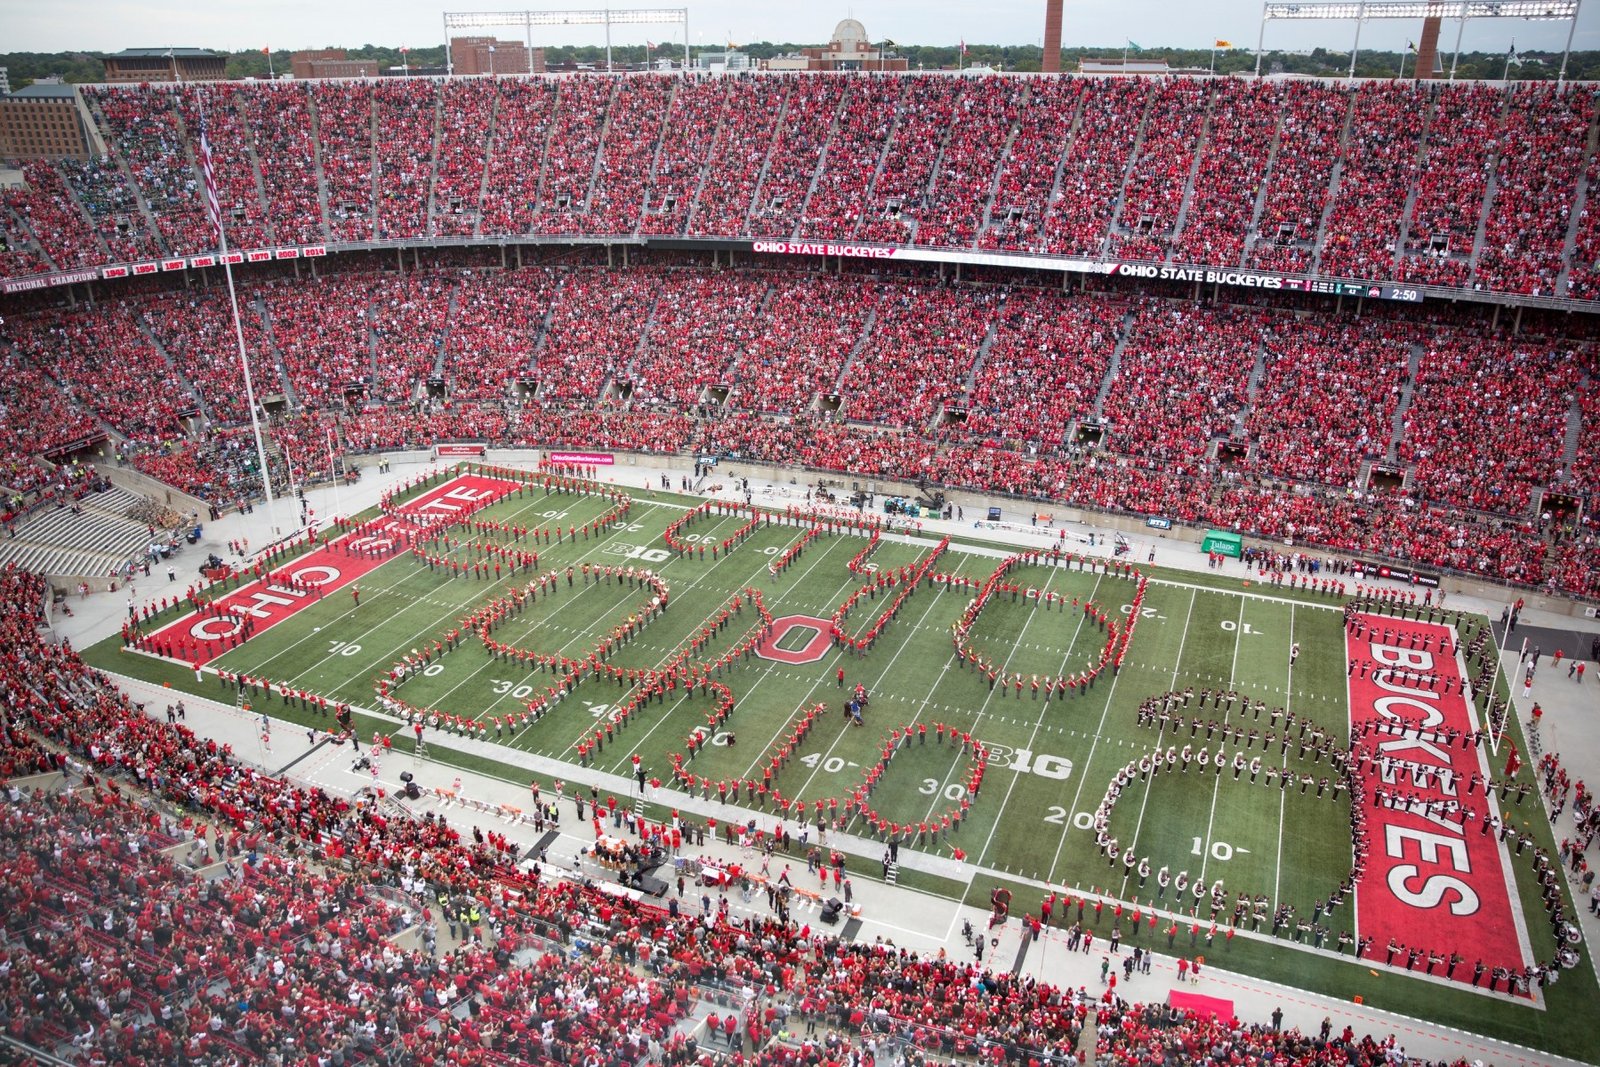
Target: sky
99	25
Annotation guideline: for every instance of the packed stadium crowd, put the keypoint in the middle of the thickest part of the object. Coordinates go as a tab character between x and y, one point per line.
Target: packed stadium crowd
1247	417
1135	169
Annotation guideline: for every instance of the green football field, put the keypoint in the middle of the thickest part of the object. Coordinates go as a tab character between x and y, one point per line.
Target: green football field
1050	761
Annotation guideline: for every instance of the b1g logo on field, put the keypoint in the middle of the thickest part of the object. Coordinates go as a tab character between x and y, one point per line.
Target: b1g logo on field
796	639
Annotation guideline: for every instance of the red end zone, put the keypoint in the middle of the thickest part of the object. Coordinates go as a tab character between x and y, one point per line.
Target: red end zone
1429	882
198	638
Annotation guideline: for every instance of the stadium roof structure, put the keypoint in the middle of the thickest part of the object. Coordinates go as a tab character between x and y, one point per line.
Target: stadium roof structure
46	91
1462	10
166	53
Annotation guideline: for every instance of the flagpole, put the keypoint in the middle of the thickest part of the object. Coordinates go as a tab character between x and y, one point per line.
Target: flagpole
1566	52
249	387
1213	60
1356	49
1461	28
238	328
333	472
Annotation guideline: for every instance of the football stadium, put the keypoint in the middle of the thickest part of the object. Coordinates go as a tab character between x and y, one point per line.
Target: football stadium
801	561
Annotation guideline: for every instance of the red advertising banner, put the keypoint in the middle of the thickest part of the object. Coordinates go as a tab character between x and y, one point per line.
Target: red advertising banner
582	459
461	448
1432	881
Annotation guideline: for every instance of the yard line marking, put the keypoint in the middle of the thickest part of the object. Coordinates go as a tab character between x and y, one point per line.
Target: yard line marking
662	719
977	550
570	602
999	812
677	594
530	627
669	651
589	631
1043	711
884	673
1087	760
383	620
772	668
1216	785
1283	794
820	679
1177	666
467	606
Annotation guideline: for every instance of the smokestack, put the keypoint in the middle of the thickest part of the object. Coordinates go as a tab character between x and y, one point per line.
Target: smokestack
1052	37
1428	46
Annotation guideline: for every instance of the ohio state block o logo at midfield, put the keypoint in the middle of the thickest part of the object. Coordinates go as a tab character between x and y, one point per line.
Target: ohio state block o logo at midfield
814	649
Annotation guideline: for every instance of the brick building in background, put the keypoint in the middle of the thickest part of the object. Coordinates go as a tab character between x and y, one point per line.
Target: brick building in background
46	120
312	64
486	55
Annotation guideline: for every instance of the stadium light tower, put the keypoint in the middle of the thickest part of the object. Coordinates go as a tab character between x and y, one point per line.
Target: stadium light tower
1362	10
607	17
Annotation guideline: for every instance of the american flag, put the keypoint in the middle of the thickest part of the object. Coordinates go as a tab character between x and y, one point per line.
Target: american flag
212	208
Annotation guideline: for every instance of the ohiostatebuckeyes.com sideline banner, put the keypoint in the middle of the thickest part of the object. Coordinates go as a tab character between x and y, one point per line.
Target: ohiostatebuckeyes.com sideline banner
198	638
1250	279
1430	882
